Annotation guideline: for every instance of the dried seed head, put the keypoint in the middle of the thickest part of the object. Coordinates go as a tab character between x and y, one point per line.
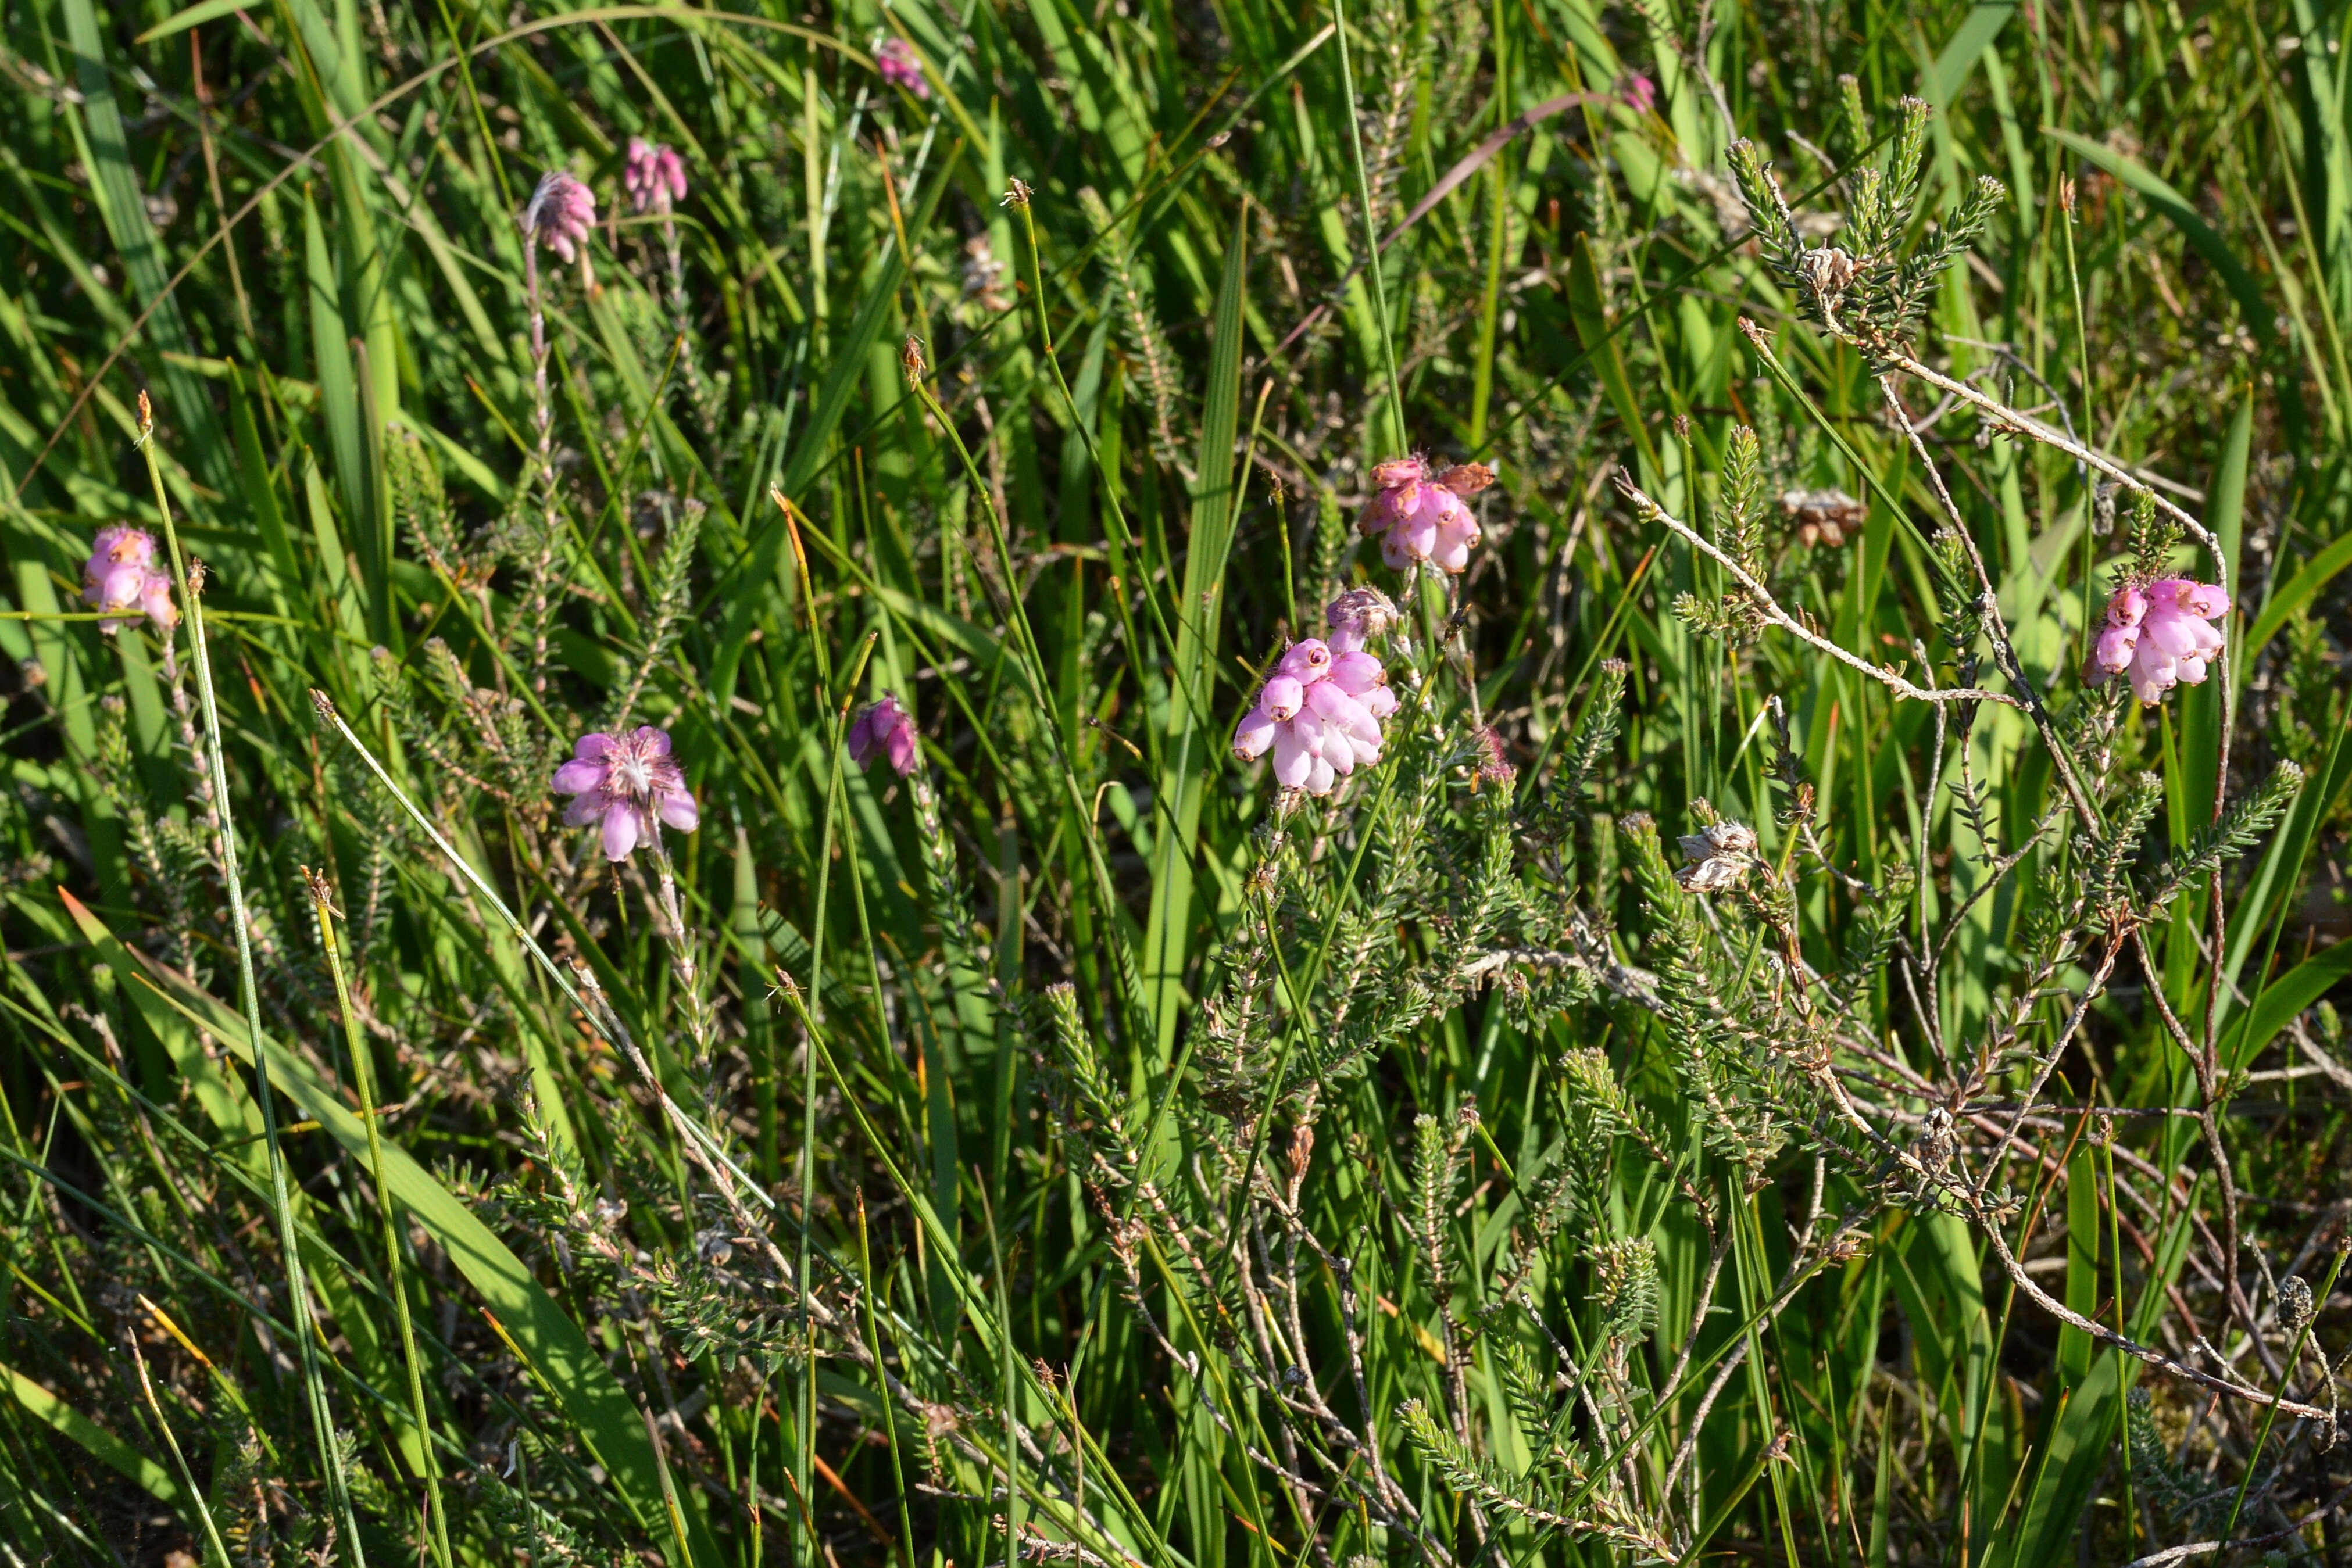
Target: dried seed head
2294	1303
1466	480
1822	516
1719	856
1827	272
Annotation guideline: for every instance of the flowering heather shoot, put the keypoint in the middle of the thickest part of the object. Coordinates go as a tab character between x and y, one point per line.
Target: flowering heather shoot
629	787
2162	635
652	176
122	581
1319	715
1419	513
1631	842
560	213
894	59
882	732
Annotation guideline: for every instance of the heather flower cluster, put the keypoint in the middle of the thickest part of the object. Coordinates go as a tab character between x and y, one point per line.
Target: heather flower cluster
2162	635
560	213
883	730
894	59
1319	713
652	176
121	581
630	785
1420	516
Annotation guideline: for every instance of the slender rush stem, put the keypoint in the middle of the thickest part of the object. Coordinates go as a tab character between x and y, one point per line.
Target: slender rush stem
1770	609
187	1477
2255	1460
363	1081
306	1332
1371	223
889	1416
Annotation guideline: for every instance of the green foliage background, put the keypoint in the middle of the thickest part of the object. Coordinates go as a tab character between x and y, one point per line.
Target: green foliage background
1069	1154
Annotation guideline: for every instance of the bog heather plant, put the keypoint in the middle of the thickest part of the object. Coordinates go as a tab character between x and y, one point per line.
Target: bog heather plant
1720	1028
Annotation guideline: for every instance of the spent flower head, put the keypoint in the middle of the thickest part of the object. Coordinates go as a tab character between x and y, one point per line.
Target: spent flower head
122	581
883	730
561	213
1717	856
2161	634
653	176
630	785
1356	617
894	59
1319	714
1420	515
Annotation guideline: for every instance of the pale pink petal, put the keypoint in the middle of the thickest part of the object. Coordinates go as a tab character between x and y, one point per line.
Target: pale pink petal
1356	672
1417	535
1292	759
2153	673
156	598
2205	599
620	830
116	585
1336	708
677	810
2175	632
1308	659
899	748
578	776
1253	733
1281	697
1450	553
2117	645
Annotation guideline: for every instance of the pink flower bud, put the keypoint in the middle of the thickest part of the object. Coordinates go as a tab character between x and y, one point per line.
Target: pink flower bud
1309	659
883	730
652	176
1283	696
896	60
